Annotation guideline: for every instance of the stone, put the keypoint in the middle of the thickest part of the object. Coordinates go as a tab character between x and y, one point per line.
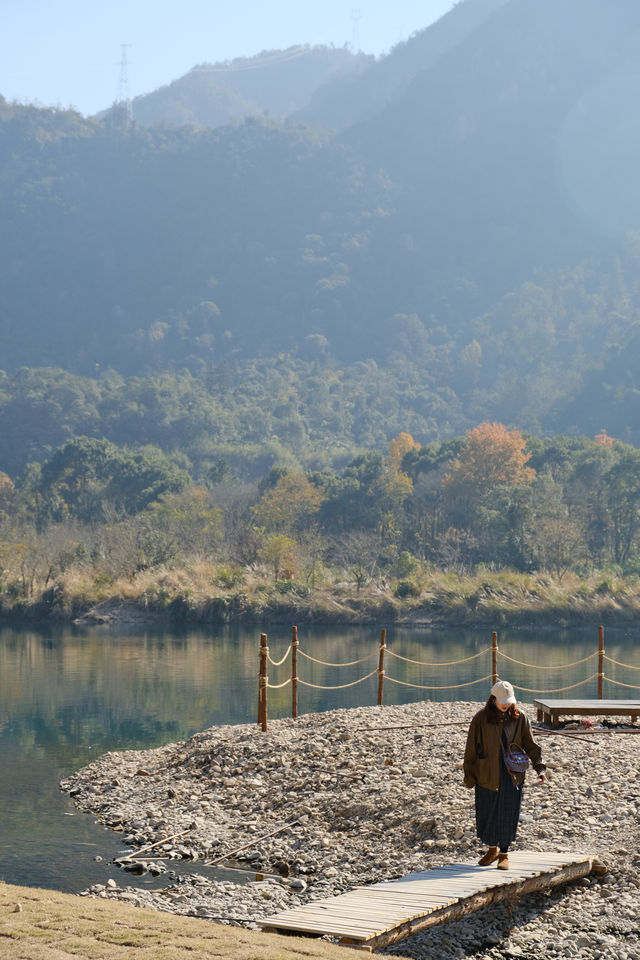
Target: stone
376	805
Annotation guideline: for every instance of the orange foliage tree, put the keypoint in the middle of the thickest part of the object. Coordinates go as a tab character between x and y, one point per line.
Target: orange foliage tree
393	486
492	457
399	446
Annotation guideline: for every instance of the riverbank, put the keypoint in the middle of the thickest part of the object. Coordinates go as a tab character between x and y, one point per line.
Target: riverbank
203	593
364	795
47	925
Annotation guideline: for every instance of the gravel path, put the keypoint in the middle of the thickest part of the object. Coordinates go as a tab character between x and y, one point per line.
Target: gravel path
377	793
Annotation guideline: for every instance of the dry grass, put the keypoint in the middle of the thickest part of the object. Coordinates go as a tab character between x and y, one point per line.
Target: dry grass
198	590
47	925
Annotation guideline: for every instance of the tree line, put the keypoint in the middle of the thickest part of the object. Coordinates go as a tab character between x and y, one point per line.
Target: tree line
491	498
303	313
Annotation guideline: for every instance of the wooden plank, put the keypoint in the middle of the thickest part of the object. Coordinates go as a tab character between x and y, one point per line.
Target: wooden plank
591	707
585	702
383	913
387	896
319	931
550	711
378	903
416	899
362	928
349	911
483	899
373	908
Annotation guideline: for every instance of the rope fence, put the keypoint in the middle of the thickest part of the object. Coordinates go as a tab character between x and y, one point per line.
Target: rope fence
293	652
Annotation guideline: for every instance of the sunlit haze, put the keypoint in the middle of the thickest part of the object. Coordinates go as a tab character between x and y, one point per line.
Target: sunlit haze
70	53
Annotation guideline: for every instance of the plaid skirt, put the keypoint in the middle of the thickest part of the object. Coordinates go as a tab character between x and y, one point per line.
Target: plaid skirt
498	812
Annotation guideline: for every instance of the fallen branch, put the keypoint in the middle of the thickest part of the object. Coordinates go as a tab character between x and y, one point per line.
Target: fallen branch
156	844
415	726
252	843
572	736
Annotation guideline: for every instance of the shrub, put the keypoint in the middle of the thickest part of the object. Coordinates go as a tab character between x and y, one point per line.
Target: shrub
406	564
406	588
228	577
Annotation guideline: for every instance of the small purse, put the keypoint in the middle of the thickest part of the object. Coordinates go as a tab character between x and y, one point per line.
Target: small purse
515	759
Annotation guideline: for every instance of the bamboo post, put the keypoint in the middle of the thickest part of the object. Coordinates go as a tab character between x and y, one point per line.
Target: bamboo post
252	843
494	657
152	846
383	647
600	660
262	683
294	672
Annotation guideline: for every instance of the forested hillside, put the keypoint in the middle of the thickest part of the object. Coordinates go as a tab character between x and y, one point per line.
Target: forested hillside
346	100
276	82
459	244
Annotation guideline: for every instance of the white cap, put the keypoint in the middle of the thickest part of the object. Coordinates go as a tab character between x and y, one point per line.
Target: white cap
503	692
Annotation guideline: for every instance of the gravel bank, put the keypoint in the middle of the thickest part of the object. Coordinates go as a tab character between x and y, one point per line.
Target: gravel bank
377	793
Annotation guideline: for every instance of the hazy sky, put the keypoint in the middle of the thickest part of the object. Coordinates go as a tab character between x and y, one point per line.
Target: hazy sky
67	52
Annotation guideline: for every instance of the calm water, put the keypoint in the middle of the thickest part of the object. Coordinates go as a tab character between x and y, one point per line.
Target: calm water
68	696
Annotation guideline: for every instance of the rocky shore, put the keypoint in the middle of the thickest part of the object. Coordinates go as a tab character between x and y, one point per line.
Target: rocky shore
344	798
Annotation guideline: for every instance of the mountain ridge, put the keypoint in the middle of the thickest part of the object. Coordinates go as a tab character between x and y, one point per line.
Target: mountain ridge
431	249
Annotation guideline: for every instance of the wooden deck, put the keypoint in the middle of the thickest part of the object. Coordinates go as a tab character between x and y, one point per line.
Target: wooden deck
548	711
383	913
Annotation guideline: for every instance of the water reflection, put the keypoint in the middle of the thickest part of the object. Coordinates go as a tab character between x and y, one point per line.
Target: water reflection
67	696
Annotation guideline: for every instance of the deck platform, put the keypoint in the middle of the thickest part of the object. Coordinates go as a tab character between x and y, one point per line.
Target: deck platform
384	913
548	711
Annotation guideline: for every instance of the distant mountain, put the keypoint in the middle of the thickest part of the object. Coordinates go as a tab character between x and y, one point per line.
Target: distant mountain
490	143
346	100
473	241
276	82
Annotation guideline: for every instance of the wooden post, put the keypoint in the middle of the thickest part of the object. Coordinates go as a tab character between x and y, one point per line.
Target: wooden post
383	647
494	657
259	720
294	672
262	683
600	660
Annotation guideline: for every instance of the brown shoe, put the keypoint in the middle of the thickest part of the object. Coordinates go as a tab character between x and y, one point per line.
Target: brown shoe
503	861
489	857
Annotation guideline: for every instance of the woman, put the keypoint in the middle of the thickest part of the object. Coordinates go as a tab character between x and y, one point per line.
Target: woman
498	791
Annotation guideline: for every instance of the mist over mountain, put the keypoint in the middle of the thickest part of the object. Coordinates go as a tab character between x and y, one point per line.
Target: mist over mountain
451	235
278	83
346	100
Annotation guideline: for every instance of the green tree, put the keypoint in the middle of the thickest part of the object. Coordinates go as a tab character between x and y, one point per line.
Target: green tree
190	518
88	474
279	553
623	500
289	505
555	538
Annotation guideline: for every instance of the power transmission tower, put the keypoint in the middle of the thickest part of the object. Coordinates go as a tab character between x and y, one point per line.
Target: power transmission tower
356	16
124	97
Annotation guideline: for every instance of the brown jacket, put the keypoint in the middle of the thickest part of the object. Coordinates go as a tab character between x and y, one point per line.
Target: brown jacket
483	751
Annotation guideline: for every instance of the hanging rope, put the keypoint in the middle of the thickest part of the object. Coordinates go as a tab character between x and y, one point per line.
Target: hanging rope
279	662
557	666
422	686
326	663
264	684
451	663
618	683
341	686
278	686
557	689
629	666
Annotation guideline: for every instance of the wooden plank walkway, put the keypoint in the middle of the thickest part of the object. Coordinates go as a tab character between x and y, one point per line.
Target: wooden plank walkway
548	711
383	913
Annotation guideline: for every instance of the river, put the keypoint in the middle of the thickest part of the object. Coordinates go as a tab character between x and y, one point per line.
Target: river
69	695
